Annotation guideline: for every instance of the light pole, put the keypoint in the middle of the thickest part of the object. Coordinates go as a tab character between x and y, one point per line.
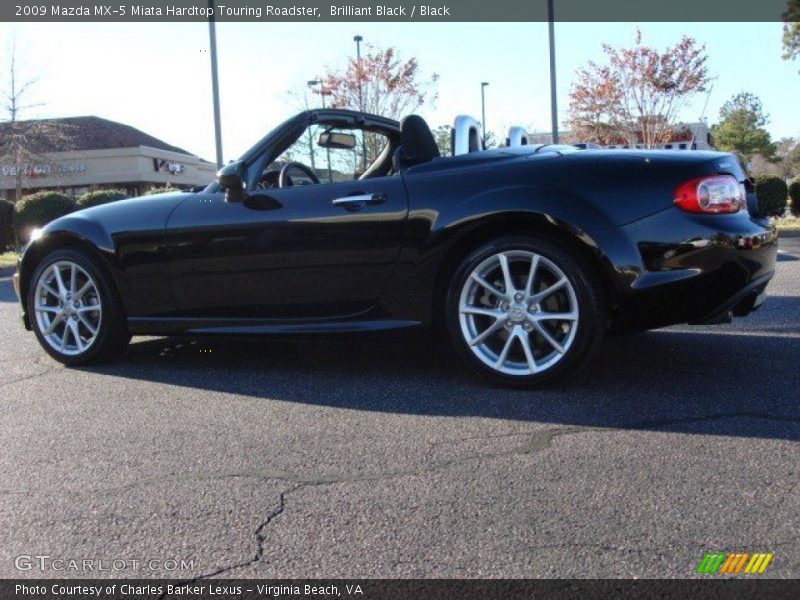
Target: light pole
553	100
310	138
322	93
358	39
312	83
212	38
483	111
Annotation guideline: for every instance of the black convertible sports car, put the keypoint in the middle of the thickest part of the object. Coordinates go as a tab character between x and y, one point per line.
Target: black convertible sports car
522	256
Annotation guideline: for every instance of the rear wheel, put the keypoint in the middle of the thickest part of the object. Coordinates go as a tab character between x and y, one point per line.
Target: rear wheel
521	311
74	311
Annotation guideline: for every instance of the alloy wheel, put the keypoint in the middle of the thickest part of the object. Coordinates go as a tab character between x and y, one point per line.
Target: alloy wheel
68	308
518	312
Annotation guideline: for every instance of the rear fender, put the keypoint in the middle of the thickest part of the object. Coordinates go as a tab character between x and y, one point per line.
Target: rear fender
559	208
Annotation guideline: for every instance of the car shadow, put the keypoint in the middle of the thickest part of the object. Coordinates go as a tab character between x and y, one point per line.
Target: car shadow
719	380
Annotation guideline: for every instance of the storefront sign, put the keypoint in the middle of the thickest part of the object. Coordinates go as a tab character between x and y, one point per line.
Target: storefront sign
43	170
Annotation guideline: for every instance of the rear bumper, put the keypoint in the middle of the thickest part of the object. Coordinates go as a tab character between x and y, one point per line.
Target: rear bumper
674	267
740	304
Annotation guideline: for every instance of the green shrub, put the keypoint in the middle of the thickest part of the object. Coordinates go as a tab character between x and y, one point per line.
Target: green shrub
772	193
794	194
6	225
39	209
160	190
100	197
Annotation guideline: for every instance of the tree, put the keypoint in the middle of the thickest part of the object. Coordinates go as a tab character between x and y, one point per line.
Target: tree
382	84
637	96
442	134
741	127
25	142
788	157
759	165
791	30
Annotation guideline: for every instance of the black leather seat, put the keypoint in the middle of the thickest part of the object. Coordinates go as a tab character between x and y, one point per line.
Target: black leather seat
417	144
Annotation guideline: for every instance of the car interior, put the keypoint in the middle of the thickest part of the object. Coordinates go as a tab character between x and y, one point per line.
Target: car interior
415	145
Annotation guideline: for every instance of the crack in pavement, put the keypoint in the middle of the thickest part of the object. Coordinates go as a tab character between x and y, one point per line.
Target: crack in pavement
537	442
653	424
47	371
259	553
35	361
32	357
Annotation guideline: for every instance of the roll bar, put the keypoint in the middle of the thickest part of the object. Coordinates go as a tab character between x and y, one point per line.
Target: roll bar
466	135
517	136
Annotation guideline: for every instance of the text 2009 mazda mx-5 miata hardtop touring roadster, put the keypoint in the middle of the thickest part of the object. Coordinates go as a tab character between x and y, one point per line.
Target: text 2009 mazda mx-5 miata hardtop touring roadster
522	256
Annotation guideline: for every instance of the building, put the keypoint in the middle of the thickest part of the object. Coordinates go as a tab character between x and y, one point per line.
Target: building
94	154
689	136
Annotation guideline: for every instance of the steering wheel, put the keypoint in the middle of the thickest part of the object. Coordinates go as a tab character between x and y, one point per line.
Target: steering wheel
284	180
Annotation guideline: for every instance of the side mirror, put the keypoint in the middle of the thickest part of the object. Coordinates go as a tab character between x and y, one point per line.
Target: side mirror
337	140
231	180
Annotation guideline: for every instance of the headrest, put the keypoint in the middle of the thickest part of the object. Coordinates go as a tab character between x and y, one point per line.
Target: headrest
418	142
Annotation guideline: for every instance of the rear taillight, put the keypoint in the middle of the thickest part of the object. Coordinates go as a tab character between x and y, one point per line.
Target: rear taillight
714	194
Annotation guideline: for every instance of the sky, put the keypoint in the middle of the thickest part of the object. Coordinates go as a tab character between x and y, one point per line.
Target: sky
155	76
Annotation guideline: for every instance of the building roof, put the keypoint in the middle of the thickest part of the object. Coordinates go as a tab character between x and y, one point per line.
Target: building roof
92	133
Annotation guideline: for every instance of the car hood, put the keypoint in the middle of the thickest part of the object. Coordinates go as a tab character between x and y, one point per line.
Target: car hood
133	206
144	212
101	224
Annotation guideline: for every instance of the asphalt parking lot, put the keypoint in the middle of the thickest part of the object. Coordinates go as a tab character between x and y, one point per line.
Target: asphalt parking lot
322	459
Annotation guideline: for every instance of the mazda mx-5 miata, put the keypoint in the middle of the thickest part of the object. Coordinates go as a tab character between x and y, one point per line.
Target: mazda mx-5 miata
340	222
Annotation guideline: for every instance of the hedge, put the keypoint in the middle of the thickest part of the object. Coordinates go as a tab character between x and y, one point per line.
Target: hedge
160	190
794	194
6	225
39	209
100	197
772	192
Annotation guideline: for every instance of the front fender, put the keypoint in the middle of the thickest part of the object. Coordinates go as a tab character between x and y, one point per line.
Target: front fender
79	226
68	231
132	253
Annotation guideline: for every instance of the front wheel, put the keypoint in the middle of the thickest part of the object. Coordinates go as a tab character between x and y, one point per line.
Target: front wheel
523	312
74	311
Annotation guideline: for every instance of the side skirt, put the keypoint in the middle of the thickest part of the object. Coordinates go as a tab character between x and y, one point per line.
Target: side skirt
221	326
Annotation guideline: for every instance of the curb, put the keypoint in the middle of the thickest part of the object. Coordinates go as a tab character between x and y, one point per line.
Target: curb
7	271
788	233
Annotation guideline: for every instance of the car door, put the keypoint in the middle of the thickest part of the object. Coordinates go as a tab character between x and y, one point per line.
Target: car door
310	251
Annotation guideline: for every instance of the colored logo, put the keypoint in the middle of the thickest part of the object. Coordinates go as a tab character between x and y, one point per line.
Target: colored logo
721	563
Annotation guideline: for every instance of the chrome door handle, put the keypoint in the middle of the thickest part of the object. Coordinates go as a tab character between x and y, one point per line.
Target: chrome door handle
353	201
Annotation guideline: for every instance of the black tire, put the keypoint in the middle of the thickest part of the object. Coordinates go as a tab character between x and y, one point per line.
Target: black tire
590	323
111	336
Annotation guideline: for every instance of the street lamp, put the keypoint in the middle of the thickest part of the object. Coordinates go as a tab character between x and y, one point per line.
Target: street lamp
310	138
553	103
359	74
322	93
212	39
483	111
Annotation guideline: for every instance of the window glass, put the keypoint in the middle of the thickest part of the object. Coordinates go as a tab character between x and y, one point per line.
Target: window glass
341	160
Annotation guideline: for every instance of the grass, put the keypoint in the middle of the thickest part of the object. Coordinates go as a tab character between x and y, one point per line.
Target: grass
8	259
787	223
